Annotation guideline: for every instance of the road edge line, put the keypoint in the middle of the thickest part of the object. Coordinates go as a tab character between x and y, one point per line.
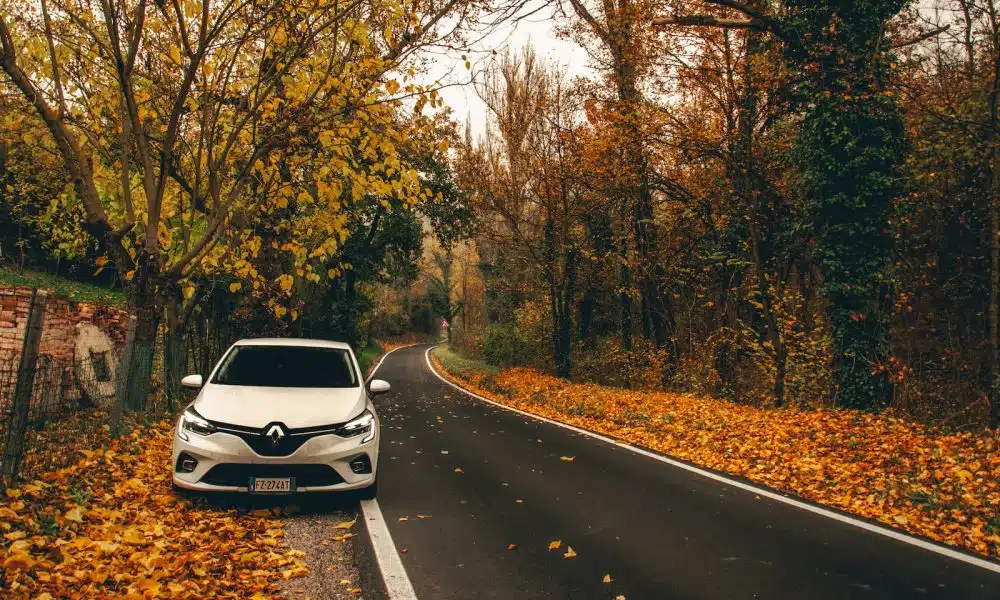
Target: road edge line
771	494
394	578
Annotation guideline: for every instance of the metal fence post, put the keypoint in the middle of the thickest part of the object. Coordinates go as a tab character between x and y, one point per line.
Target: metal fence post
14	447
123	385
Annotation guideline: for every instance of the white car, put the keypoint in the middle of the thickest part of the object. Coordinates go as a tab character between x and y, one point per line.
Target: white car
280	416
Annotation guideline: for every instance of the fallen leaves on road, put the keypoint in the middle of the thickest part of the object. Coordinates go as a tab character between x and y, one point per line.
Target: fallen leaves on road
945	486
109	525
570	553
345	524
567	458
607	579
342	538
511	547
554	544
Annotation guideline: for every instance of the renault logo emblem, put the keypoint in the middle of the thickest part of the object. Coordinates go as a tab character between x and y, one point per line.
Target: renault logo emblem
275	434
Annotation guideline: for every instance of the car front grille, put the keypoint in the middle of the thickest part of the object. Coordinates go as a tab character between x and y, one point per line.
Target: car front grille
236	474
292	439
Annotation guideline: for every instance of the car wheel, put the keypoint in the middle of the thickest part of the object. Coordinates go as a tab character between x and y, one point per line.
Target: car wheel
369	492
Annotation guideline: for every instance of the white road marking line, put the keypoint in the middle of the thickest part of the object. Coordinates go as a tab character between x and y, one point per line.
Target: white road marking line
883	531
397	582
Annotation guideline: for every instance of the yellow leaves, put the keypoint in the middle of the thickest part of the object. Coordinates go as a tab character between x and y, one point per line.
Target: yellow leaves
132	536
342	538
345	524
607	579
567	458
285	282
964	475
458	469
554	544
570	553
188	291
511	547
175	55
235	287
901	519
19	560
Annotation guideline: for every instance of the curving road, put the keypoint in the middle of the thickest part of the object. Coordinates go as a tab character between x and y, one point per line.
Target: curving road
660	532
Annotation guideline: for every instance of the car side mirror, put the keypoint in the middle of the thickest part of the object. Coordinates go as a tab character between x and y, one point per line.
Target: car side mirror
192	381
377	386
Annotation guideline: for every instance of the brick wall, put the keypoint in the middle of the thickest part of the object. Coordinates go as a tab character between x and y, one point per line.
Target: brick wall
58	340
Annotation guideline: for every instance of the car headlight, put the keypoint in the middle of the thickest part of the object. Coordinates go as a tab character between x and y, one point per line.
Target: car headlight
361	424
195	423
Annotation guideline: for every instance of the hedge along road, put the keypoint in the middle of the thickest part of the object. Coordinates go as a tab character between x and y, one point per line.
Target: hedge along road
474	495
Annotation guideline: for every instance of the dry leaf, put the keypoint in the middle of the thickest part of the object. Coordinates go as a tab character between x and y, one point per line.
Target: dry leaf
511	547
345	524
567	458
554	544
607	579
570	553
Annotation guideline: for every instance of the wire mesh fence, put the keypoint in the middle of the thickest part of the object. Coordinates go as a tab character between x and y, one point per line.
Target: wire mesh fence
52	391
63	382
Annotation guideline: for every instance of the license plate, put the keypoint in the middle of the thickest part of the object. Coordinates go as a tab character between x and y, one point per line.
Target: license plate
272	485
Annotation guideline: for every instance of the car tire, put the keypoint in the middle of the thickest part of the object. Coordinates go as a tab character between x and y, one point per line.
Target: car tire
369	492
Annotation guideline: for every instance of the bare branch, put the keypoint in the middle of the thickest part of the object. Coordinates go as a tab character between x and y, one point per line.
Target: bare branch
923	36
710	21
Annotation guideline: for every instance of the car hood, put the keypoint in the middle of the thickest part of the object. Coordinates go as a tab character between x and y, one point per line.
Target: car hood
294	407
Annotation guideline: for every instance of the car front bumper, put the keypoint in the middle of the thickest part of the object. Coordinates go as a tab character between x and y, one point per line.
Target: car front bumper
233	456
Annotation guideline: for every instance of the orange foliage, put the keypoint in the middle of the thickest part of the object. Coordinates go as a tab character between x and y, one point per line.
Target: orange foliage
942	486
109	525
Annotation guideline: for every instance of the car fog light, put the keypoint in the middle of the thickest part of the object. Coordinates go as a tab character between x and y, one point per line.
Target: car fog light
186	463
361	465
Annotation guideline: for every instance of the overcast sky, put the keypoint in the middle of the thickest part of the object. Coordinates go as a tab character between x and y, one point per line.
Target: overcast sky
537	31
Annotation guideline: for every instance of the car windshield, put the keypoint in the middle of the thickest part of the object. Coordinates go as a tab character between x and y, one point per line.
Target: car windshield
287	366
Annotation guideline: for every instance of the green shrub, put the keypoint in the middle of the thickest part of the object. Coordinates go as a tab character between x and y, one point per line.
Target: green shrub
501	345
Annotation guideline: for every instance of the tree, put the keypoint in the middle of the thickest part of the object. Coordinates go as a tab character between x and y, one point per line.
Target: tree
526	180
180	124
849	148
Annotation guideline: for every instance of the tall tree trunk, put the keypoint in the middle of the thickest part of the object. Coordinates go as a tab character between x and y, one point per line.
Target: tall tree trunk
173	351
993	360
849	148
144	303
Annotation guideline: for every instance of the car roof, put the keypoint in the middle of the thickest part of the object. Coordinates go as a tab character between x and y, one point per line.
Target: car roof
298	342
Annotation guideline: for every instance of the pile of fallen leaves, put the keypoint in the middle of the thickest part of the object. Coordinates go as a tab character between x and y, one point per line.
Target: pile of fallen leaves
939	485
110	525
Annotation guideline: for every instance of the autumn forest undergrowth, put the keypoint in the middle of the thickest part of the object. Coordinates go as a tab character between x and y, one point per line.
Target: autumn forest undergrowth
940	485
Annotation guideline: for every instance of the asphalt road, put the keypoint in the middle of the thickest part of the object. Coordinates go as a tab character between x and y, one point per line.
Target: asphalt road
659	531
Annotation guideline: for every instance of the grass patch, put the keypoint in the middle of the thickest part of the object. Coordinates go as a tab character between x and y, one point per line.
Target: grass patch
74	290
366	356
461	365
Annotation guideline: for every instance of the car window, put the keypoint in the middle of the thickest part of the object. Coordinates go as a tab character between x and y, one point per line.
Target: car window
287	366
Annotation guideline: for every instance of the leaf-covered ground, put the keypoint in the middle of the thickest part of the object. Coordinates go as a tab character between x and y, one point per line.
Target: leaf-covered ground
942	486
108	525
